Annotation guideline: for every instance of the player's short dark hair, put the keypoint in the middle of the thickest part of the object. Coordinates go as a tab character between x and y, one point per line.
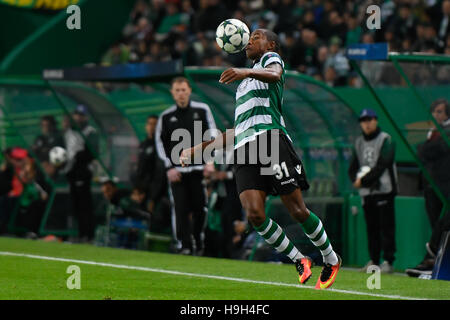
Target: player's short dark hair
272	36
152	116
439	102
180	80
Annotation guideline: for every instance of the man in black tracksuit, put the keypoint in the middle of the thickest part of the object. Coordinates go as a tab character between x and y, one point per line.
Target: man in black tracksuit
81	142
182	126
373	172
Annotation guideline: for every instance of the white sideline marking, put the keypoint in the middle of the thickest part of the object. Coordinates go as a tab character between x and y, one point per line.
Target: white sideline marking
198	275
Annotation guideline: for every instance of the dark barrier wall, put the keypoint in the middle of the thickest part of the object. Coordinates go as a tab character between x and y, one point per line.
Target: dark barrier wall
53	45
16	24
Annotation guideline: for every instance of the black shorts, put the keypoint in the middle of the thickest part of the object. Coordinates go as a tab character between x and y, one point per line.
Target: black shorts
281	176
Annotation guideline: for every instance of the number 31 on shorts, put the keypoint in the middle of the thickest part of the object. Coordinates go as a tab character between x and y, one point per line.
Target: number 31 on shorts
281	170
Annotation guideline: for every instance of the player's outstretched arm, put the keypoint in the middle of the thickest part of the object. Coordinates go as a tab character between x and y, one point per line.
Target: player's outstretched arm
272	73
225	139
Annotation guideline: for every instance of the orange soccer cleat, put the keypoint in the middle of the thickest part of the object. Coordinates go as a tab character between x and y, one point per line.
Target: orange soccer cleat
304	269
328	275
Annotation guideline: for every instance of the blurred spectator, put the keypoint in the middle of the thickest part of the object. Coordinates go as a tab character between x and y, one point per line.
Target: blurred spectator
442	23
142	30
148	161
126	213
285	10
420	36
18	157
50	137
330	76
82	145
173	21
141	10
210	15
435	154
333	26
287	46
354	31
21	184
305	52
184	51
7	170
33	199
6	173
117	54
368	38
322	56
138	51
308	21
151	178
125	203
403	24
189	14
391	39
338	61
430	39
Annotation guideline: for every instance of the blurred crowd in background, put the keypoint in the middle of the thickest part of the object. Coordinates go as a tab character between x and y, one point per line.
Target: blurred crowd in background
313	33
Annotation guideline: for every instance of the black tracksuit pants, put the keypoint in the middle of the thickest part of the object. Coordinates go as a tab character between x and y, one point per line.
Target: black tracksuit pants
433	205
80	192
189	210
379	212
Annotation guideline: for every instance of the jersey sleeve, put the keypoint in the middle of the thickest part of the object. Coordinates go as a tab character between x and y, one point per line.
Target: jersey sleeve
271	57
161	140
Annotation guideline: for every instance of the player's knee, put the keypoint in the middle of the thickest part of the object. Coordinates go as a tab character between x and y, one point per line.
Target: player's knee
300	213
255	215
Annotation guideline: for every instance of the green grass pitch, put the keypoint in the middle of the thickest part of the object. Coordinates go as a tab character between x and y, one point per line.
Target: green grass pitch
116	274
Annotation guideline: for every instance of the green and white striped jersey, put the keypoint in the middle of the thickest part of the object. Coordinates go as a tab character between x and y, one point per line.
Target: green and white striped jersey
258	104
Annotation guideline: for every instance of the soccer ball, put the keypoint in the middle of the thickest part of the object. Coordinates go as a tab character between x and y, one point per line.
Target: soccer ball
232	35
58	156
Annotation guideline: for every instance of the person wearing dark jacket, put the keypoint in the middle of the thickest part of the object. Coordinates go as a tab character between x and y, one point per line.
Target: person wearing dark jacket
151	177
435	154
150	173
187	121
125	203
373	172
81	142
6	173
6	185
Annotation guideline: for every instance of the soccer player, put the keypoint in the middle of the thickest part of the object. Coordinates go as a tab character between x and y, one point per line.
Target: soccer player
258	118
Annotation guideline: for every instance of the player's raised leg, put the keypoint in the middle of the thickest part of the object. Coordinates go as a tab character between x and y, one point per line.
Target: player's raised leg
313	228
253	203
